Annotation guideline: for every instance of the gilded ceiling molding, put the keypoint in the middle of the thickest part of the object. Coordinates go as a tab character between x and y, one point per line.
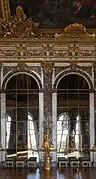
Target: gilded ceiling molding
5	10
1	10
74	30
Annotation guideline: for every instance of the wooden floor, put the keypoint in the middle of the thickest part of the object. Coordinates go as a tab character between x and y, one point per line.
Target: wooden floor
54	174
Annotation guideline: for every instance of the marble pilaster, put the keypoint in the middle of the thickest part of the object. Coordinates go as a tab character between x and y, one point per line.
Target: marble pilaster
41	117
92	137
3	123
54	127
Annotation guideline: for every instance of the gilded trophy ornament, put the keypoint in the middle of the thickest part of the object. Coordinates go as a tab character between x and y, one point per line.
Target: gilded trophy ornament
20	26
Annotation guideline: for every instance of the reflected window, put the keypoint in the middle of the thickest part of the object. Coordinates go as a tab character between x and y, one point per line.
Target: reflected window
31	133
62	132
32	138
78	133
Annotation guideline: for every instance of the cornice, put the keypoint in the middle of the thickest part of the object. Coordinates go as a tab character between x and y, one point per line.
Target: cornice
41	60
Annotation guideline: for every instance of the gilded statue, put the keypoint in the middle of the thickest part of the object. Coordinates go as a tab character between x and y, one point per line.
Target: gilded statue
47	145
20	14
47	164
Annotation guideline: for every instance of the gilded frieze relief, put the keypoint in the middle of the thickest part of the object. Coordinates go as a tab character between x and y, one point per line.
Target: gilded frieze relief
43	50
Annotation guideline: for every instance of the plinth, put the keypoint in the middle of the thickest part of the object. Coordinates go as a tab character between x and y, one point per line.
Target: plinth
47	165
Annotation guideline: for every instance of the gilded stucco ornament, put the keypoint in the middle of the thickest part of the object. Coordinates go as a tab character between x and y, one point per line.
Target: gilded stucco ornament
19	26
74	30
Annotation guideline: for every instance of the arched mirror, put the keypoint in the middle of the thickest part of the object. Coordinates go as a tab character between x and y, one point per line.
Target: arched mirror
22	117
73	136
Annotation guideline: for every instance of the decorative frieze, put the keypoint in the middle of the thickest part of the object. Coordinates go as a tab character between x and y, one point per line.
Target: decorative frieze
40	49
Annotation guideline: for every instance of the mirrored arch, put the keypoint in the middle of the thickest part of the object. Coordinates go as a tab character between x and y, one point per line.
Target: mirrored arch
22	107
73	100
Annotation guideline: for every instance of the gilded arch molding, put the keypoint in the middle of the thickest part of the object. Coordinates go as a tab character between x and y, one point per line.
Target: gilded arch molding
22	70
74	71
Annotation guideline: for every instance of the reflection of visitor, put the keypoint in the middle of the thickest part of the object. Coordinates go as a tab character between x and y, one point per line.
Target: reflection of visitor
72	145
78	132
72	140
84	8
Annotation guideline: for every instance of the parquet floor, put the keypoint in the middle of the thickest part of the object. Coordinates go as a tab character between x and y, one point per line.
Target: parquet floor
53	174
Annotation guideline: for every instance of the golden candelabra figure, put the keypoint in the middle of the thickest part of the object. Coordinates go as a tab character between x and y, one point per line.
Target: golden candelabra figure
47	164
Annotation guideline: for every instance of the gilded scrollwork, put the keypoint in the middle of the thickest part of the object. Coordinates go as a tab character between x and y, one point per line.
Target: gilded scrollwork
18	67
74	30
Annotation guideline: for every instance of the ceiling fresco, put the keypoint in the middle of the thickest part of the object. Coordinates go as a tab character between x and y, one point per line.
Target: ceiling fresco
58	13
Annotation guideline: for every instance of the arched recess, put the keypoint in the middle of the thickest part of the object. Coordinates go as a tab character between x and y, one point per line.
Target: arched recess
21	97
73	95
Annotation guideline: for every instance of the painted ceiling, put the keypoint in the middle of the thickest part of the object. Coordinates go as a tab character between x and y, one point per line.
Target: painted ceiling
58	13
